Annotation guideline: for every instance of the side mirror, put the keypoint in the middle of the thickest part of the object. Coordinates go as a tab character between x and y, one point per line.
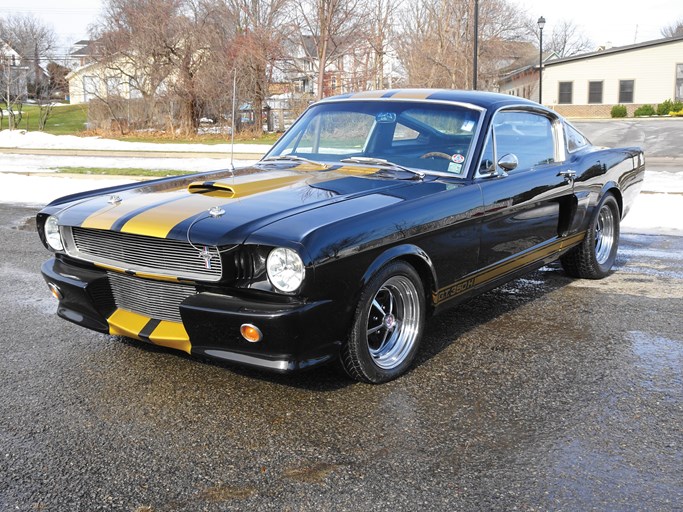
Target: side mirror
508	162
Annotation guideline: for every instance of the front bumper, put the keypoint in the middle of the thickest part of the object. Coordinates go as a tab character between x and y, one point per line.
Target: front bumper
295	335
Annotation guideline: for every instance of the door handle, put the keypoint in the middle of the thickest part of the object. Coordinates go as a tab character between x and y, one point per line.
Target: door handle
569	176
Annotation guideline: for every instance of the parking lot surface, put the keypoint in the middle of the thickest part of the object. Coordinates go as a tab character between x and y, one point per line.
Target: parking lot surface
546	394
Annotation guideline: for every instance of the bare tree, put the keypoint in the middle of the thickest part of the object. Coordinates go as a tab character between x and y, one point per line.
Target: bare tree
157	49
134	44
260	29
35	42
333	28
380	35
565	39
673	30
12	90
437	43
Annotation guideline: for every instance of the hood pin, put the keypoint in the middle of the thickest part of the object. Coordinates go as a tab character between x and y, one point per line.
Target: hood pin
216	212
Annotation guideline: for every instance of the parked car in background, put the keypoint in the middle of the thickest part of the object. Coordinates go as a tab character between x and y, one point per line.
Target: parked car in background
373	212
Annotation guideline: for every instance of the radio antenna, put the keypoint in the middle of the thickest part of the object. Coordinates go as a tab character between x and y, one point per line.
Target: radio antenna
232	122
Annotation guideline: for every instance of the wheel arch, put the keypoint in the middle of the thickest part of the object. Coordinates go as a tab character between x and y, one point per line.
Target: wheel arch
612	188
415	257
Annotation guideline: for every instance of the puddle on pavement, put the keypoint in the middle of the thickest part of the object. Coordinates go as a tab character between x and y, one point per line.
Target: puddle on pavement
310	474
661	361
27	224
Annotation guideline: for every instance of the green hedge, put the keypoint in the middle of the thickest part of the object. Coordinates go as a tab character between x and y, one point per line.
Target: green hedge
644	111
618	111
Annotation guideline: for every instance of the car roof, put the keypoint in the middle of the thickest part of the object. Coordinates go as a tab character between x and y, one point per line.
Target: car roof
487	100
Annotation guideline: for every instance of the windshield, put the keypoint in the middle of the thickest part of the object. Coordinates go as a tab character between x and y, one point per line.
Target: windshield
423	136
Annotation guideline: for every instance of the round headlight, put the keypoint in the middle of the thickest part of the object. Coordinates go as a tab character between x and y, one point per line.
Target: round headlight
285	269
52	234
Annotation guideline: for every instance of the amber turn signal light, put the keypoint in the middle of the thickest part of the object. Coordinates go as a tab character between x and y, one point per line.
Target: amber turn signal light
56	292
251	333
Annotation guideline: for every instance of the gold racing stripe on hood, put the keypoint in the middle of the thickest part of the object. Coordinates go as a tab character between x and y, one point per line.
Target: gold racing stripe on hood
160	220
230	190
104	218
165	334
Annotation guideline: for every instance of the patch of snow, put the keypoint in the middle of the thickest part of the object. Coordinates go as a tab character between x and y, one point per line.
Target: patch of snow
663	181
48	163
655	213
33	190
40	140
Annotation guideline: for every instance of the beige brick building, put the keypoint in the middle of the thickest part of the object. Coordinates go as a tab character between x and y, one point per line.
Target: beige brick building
589	85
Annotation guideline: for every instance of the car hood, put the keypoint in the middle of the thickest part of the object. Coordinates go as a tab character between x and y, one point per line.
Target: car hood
223	208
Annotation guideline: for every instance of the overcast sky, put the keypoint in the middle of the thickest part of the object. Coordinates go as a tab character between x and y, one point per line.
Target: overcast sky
616	21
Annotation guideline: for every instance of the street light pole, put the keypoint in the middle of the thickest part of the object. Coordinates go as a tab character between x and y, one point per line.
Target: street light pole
476	44
541	24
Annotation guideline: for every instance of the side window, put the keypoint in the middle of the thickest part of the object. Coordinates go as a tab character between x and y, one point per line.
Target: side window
403	133
487	164
575	139
529	136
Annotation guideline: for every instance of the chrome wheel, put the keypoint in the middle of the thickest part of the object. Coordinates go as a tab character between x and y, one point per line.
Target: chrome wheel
387	325
604	234
393	322
595	255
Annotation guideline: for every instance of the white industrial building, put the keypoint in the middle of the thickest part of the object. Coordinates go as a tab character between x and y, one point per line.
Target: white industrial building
589	85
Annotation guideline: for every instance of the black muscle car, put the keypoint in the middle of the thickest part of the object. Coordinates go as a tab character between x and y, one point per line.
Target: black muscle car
373	212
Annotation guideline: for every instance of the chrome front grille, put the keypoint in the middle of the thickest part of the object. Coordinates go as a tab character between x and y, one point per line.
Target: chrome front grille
141	253
155	299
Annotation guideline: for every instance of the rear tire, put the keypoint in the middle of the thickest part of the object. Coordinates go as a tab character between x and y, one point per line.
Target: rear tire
594	257
387	326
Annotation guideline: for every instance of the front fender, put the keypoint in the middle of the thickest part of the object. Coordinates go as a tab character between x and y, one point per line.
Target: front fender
409	252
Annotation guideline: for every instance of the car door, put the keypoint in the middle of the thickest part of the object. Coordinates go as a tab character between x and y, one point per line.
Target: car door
525	206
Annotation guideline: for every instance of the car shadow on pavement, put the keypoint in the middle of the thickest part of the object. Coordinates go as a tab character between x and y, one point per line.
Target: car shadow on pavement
452	326
441	332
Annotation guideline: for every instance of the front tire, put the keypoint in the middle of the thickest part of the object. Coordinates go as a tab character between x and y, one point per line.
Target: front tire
387	326
594	257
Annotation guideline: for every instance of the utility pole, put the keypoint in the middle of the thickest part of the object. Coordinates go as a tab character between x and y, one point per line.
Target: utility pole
10	115
476	45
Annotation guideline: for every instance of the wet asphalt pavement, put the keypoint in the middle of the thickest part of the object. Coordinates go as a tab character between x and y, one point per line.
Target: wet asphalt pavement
545	394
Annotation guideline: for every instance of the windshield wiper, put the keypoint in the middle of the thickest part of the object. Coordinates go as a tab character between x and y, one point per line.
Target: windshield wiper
294	158
416	175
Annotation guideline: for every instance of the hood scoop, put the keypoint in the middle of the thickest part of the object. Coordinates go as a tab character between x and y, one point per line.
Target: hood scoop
229	189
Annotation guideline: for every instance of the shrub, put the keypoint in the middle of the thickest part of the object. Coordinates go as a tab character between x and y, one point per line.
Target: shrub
618	111
677	113
644	111
664	108
677	106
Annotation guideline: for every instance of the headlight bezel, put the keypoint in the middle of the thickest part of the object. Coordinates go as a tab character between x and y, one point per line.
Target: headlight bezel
286	270
53	235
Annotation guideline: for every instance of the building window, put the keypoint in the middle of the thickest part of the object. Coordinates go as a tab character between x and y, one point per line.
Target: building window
626	91
679	82
595	92
565	92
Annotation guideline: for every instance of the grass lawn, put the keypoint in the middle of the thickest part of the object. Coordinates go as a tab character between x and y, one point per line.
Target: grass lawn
63	120
71	120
